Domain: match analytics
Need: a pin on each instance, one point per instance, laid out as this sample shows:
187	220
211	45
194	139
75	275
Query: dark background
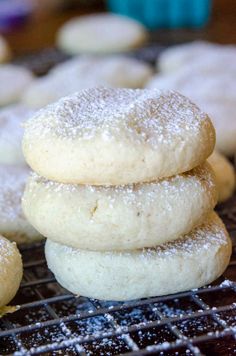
39	31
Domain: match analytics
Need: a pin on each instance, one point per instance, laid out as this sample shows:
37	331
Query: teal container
164	13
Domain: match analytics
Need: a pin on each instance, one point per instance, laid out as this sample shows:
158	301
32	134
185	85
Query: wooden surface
40	31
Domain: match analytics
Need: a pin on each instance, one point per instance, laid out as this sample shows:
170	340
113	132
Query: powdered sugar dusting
7	249
143	116
201	178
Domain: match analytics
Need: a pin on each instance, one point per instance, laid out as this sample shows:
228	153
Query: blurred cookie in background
14	80
101	33
213	89
222	112
176	57
225	175
85	72
11	273
117	136
11	132
13	223
203	77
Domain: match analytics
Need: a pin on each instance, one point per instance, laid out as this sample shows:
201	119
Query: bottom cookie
192	261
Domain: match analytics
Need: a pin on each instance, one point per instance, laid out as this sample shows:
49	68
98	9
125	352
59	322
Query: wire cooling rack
51	321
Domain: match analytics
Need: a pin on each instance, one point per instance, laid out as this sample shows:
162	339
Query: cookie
121	217
11	270
13	223
13	81
225	175
101	33
202	82
85	72
176	57
222	113
104	136
190	262
11	133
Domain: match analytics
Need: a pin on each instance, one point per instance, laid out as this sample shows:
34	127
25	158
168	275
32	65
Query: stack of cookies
122	192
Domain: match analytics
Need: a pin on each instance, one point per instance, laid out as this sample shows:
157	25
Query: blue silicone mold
164	13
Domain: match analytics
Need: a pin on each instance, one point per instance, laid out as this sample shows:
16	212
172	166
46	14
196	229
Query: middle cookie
120	217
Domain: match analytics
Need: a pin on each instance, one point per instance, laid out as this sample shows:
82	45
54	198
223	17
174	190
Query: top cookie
100	33
105	136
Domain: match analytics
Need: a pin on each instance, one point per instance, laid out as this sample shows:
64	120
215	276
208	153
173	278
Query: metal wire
185	321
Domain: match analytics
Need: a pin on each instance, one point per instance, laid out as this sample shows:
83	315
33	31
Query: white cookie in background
205	77
85	72
107	136
211	85
5	52
101	33
192	261
225	175
13	223
222	112
120	217
11	133
13	81
115	70
11	270
176	57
